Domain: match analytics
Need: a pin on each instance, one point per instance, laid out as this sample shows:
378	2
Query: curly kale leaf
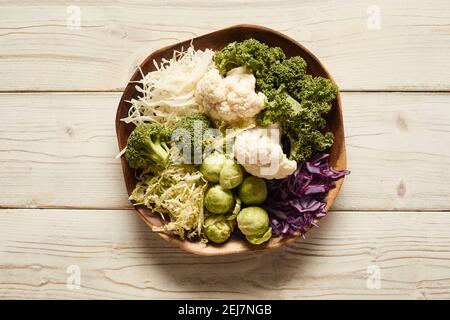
302	123
288	73
250	53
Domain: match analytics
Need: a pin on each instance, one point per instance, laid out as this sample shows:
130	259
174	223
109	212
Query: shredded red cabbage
296	201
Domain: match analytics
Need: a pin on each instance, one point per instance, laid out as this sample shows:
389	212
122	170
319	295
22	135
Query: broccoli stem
157	151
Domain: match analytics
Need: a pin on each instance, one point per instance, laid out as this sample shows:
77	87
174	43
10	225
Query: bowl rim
195	248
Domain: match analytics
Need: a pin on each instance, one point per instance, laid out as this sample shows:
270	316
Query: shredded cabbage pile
168	92
176	192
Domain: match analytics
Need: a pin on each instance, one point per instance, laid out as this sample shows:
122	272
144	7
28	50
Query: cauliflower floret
231	99
259	151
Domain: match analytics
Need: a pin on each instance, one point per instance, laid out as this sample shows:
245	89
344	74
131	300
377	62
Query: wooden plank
57	150
119	257
397	152
38	51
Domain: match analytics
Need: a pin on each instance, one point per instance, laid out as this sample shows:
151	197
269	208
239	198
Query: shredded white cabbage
168	92
176	192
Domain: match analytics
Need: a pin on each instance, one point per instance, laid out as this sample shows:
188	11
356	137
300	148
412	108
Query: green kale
295	100
256	56
316	89
289	72
304	128
303	123
147	146
191	135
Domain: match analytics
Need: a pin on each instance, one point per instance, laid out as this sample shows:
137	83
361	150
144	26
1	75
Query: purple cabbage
296	201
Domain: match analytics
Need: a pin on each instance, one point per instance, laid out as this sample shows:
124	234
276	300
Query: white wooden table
64	211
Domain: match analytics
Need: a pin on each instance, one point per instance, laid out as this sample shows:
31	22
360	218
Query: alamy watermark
73	281
373	21
374	279
73	20
192	146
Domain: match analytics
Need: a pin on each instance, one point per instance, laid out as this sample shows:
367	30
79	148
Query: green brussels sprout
217	228
260	239
253	221
254	224
231	174
252	191
211	166
219	200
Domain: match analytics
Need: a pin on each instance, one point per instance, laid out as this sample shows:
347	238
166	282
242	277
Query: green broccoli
148	146
192	133
295	100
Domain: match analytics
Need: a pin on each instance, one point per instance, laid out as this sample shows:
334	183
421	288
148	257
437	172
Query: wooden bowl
216	41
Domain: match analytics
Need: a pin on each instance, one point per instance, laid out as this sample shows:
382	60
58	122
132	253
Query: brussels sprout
253	221
219	200
211	166
252	191
260	239
231	174
217	228
254	224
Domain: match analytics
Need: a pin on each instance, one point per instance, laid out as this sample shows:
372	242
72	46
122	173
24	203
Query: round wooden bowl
216	41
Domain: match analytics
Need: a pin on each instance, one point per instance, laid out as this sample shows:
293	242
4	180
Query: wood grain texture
39	52
120	258
57	150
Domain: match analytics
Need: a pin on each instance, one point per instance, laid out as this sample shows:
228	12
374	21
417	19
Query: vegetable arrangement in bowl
232	142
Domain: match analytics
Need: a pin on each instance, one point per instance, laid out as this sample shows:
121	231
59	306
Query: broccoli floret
191	133
147	146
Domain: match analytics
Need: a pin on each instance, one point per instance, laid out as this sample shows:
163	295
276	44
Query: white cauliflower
229	100
259	151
